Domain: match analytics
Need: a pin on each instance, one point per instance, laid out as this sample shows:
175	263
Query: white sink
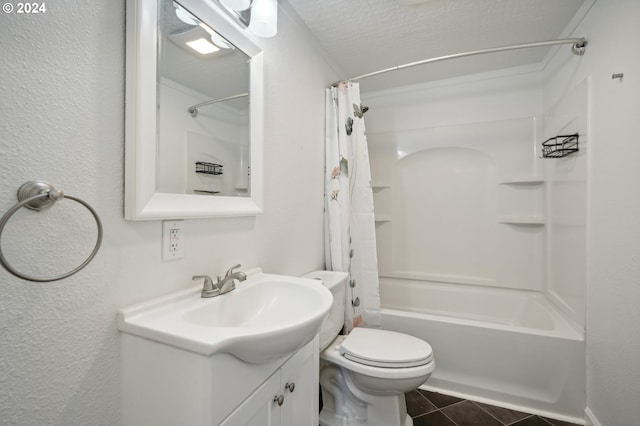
266	317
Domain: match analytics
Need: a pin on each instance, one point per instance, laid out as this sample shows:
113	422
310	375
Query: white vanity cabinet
288	398
167	386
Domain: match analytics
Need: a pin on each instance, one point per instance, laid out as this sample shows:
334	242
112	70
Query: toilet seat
386	349
392	371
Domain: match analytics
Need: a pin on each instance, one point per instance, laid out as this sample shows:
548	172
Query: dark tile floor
436	409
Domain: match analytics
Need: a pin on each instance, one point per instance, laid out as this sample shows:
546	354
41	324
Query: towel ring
38	195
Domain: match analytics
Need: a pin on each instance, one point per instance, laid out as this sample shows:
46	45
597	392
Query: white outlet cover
172	239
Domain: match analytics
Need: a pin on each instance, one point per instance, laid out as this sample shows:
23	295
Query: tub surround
481	242
462	195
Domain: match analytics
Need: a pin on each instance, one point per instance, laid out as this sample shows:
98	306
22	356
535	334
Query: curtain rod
193	110
578	48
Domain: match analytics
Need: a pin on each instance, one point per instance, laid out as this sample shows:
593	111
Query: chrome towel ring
39	195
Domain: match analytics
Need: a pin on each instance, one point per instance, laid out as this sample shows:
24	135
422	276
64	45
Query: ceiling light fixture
216	38
197	41
185	16
202	46
238	5
260	15
264	18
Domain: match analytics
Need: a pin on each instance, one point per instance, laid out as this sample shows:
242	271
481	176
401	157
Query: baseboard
591	418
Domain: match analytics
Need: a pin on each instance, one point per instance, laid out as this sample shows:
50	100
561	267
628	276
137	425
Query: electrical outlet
172	239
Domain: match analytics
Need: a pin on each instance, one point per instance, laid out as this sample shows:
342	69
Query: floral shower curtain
350	240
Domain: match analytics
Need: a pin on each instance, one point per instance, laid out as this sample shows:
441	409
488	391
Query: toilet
364	375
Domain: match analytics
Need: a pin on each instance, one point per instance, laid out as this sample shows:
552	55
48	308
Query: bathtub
505	347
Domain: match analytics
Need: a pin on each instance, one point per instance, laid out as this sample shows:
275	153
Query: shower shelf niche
522	220
377	186
383	218
522	180
522	198
382	201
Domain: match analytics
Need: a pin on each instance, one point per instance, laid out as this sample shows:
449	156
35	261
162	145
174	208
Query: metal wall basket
560	146
208	168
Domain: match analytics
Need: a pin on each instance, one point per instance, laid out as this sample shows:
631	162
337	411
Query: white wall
62	120
613	220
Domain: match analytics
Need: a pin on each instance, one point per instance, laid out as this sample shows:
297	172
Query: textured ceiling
363	36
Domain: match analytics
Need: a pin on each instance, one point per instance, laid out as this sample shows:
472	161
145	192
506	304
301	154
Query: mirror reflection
203	108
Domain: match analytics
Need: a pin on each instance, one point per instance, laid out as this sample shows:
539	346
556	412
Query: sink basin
267	317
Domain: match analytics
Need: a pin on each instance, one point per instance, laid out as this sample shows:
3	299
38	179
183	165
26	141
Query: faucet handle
208	282
230	270
208	290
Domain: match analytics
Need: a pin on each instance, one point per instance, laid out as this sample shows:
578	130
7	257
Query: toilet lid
383	348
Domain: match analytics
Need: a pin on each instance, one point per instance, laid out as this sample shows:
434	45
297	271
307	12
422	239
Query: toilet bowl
364	375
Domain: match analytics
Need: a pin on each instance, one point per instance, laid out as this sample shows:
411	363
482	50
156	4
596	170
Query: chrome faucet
228	283
222	285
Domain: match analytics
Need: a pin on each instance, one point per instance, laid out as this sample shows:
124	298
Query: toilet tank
336	282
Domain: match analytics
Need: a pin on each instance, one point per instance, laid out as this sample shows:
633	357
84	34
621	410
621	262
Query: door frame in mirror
141	201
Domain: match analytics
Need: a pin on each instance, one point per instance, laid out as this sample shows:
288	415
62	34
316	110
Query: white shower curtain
350	241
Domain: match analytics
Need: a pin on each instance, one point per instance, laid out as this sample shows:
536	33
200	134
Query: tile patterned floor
436	409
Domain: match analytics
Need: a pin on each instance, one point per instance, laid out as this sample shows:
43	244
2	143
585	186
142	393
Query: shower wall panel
567	205
456	183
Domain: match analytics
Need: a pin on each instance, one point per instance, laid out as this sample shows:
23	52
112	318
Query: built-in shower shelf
522	180
383	218
522	220
376	186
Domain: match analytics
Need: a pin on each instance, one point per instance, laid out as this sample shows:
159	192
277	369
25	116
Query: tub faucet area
222	285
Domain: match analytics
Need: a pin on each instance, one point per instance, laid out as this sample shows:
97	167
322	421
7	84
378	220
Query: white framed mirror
193	146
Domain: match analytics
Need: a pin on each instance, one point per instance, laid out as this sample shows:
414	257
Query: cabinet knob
279	399
290	386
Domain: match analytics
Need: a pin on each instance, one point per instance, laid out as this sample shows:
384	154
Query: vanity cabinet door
288	398
299	390
259	409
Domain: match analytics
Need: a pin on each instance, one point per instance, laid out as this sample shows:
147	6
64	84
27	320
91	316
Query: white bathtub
506	347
